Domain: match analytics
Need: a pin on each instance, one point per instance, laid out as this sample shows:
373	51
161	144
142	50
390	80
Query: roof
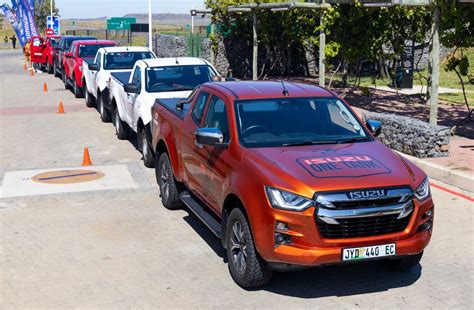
93	42
268	89
174	61
116	49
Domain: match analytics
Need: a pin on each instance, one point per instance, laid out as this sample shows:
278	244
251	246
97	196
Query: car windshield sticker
343	166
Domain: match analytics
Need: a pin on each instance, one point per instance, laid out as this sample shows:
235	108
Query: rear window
90	50
124	60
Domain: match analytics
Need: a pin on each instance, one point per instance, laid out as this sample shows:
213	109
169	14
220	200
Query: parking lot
116	246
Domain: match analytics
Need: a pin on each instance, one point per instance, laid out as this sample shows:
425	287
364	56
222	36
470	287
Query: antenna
177	62
285	91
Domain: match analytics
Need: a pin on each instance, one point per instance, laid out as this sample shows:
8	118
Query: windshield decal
343	166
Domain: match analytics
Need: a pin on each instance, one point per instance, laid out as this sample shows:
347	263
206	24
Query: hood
309	169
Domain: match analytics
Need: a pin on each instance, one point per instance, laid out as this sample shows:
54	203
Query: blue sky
99	8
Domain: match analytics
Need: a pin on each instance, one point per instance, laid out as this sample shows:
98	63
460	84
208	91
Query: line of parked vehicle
285	174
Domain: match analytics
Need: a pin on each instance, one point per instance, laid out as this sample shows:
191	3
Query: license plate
369	252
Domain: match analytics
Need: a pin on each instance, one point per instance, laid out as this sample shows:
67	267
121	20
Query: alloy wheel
164	181
238	248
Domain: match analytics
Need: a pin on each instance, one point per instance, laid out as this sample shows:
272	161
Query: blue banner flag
16	24
27	19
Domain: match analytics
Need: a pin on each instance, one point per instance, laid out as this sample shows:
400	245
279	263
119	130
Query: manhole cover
68	176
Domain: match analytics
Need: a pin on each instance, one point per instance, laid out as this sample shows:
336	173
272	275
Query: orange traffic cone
25	68
32	72
45	88
86	161
61	108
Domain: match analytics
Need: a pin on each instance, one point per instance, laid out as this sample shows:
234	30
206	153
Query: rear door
132	98
194	157
217	159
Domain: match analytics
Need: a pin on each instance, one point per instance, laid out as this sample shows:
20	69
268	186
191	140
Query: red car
42	52
288	176
79	52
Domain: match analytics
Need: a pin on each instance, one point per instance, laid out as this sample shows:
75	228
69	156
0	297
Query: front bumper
310	248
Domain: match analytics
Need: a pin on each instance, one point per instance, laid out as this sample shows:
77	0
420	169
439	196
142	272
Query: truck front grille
339	216
363	226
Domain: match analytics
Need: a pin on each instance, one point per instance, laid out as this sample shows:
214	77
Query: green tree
457	32
42	11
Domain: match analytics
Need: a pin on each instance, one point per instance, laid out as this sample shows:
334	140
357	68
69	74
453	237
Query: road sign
120	23
49	32
53	23
139	27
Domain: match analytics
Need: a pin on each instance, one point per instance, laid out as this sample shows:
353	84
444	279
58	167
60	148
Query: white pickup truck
97	74
132	95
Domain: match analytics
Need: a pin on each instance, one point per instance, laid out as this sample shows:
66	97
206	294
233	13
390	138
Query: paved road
122	249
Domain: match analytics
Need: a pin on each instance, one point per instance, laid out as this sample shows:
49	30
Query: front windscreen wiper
352	140
310	142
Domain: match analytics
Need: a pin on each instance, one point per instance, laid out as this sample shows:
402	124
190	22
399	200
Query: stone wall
177	46
412	136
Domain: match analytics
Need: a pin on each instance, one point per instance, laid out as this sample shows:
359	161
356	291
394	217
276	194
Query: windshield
124	60
68	41
54	42
296	121
89	50
176	78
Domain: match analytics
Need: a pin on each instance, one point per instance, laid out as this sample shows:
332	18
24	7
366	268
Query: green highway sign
120	23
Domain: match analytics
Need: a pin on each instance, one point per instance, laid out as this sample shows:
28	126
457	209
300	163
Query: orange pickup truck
288	176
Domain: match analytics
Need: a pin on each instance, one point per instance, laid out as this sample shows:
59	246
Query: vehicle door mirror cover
131	88
209	136
69	55
375	127
93	67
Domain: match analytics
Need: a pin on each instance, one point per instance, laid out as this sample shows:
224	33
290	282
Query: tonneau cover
122	77
170	105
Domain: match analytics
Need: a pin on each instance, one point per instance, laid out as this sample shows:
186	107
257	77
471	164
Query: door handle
198	145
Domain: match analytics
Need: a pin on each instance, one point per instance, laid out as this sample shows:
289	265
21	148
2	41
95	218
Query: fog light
281	226
426	226
282	239
428	214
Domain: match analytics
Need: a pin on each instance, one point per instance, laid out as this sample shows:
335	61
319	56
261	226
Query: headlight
280	199
423	191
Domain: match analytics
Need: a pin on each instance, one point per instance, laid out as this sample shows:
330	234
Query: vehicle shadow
335	280
341	280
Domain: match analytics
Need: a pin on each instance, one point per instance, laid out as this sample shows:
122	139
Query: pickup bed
133	94
97	75
289	177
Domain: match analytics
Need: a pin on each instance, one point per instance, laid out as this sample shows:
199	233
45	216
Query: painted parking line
55	181
453	192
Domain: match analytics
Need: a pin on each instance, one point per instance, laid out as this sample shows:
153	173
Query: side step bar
201	213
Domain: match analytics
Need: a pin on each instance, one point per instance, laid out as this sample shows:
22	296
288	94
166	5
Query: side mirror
93	67
131	88
181	104
69	55
375	127
209	136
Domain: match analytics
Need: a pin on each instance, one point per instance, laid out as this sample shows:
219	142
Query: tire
49	68
168	186
90	100
76	89
64	78
245	265
404	263
56	72
104	113
121	128
145	148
